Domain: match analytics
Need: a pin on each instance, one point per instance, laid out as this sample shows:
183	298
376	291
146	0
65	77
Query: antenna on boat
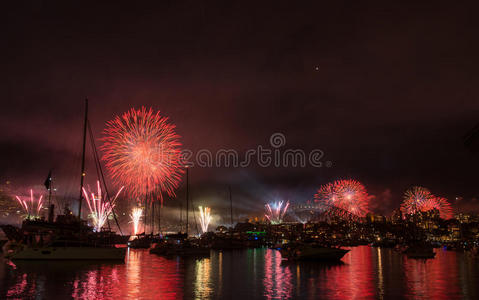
83	159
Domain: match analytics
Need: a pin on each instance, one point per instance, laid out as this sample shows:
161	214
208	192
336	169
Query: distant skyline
387	92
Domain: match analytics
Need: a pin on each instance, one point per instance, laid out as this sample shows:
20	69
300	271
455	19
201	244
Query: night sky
388	92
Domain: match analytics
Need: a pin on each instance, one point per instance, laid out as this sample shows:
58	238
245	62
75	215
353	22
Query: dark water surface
250	274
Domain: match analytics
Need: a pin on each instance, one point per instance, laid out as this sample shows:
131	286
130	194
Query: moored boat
420	251
178	245
309	251
61	240
63	252
140	242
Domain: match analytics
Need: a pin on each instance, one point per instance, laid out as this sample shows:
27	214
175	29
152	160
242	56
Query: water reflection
430	279
380	273
203	288
365	273
152	277
277	278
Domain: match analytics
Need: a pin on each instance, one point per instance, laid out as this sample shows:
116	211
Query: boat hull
180	251
320	254
418	252
68	253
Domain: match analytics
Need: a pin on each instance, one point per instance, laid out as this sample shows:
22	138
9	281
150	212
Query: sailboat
229	242
66	238
179	244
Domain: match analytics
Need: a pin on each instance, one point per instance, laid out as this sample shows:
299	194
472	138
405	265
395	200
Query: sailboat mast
145	222
50	183
160	206
181	217
50	205
187	199
231	207
83	158
153	215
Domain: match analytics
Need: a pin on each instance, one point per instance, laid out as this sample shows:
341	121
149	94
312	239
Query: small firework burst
349	195
135	217
205	218
415	199
275	211
31	206
99	210
142	152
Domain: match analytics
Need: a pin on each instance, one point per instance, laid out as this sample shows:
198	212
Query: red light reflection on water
131	280
352	279
277	279
365	273
433	278
162	279
19	287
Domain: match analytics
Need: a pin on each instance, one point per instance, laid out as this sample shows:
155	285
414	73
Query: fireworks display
31	206
99	209
205	218
421	199
142	152
135	217
349	195
441	204
275	212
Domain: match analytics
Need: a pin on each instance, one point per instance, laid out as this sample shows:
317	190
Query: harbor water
364	273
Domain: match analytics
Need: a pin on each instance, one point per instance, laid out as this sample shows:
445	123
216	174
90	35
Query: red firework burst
443	206
421	199
142	152
349	195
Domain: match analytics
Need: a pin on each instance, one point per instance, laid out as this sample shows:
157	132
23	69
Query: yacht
311	251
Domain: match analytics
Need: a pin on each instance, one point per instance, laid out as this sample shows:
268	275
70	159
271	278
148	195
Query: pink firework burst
99	209
31	206
348	194
275	211
142	152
